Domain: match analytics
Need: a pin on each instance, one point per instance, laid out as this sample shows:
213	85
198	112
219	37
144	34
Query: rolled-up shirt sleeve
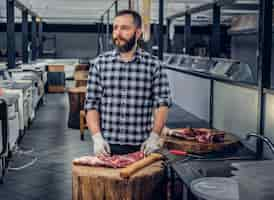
161	89
94	88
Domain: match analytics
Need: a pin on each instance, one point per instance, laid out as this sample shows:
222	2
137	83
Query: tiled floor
55	146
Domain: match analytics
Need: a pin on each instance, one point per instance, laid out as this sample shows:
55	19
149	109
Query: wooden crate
56	89
56	68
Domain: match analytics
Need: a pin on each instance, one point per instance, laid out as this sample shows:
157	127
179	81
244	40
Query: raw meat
88	160
209	136
116	161
185	133
201	135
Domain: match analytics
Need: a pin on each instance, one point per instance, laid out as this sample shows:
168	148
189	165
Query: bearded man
128	94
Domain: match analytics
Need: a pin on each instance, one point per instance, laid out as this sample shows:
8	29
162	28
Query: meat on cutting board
201	135
115	161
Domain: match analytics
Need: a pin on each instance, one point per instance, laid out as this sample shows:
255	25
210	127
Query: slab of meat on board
201	135
115	161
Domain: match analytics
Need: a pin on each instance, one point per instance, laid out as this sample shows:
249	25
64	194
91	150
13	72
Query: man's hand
152	144
100	146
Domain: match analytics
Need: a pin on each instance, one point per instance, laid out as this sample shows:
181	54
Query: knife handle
131	169
178	152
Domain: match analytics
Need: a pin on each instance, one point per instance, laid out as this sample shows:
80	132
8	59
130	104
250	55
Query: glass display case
215	67
203	64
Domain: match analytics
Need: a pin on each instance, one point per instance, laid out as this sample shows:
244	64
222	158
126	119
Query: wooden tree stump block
99	183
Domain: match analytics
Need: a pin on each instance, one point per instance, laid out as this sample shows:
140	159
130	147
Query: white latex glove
100	146
152	144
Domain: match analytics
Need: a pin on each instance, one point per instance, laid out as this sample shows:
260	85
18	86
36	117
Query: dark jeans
123	149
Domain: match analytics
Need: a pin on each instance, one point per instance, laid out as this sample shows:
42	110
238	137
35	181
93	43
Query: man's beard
128	46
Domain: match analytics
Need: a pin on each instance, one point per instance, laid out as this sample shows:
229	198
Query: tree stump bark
98	183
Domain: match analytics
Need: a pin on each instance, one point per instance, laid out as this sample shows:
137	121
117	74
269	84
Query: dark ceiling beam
22	7
204	7
114	3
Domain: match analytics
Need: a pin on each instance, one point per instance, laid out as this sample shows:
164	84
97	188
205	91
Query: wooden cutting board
172	142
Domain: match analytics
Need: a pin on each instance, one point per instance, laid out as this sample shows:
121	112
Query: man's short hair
136	16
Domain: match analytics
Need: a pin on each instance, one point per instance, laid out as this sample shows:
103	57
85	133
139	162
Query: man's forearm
93	121
160	117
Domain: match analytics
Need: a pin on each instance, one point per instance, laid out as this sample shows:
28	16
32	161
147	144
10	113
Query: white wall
190	93
69	45
269	122
235	108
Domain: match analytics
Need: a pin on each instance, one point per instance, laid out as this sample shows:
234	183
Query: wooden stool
80	83
83	124
81	67
81	78
76	103
98	183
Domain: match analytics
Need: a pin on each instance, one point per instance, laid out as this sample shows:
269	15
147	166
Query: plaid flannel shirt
125	93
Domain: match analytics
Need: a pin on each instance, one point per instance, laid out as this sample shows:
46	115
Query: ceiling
89	11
